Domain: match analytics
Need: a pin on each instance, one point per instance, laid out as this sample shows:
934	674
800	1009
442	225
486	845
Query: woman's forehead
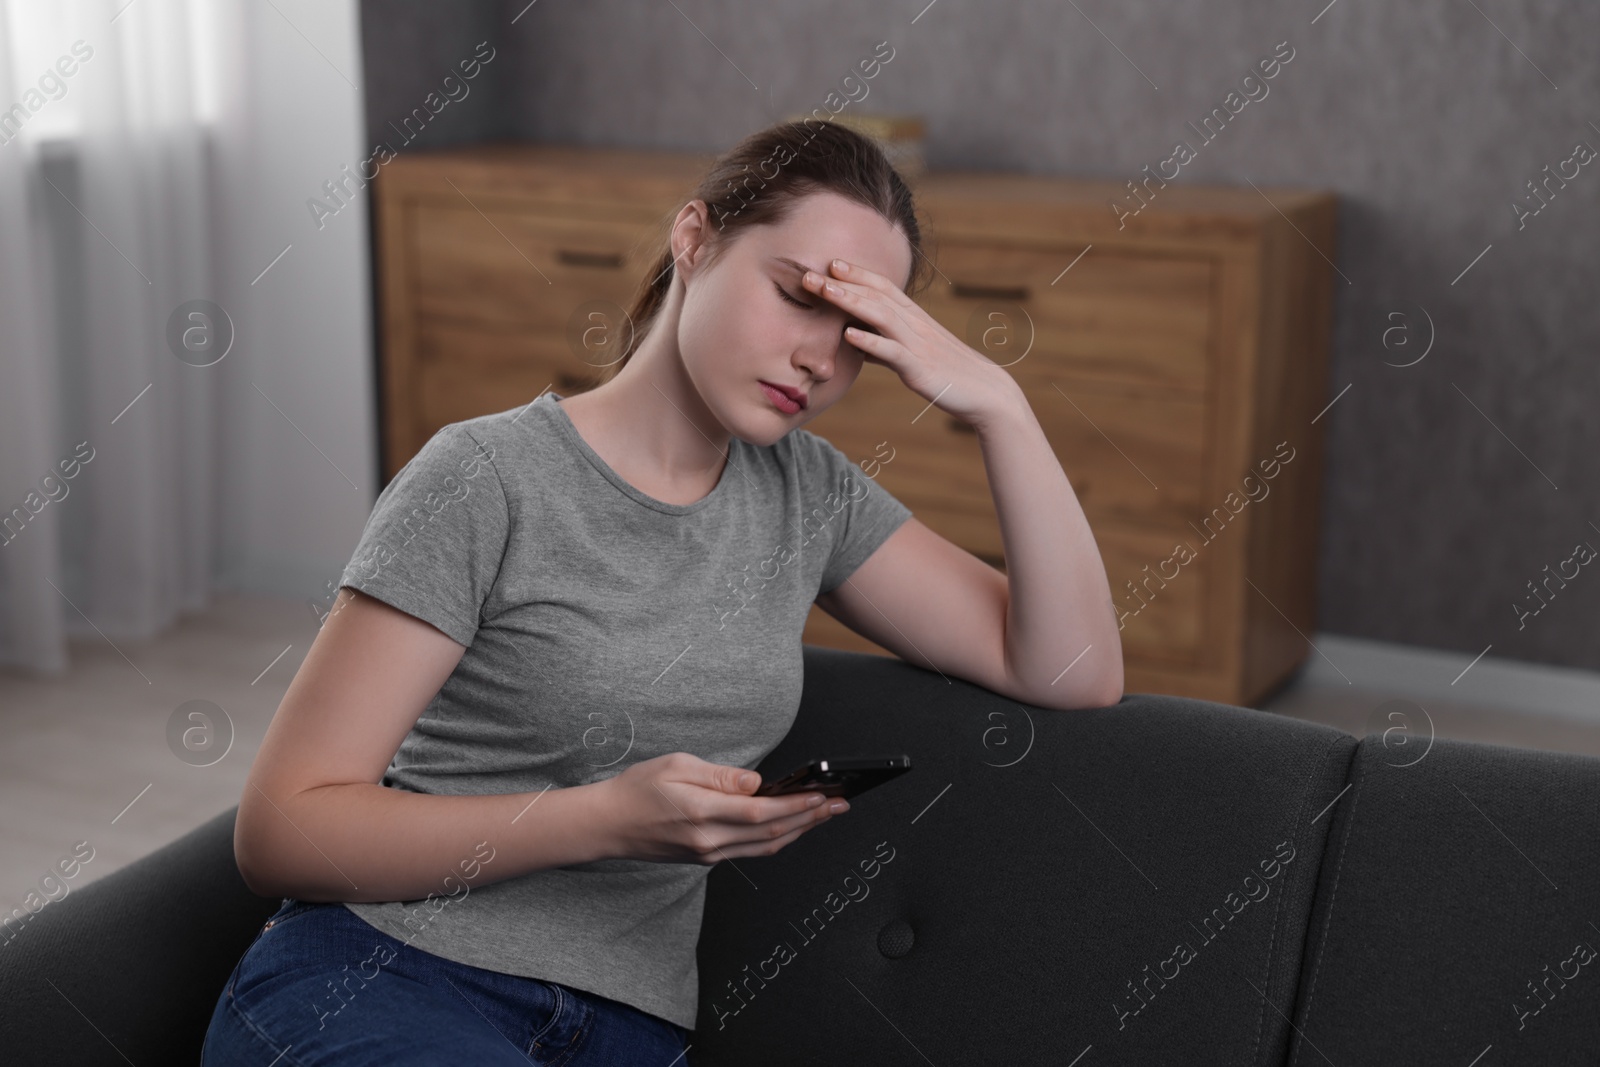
863	237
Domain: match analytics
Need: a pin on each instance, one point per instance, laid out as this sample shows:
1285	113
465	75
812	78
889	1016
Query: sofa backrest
1456	911
1135	879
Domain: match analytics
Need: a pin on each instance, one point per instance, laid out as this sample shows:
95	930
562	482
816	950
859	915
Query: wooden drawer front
1132	458
938	464
1167	628
1129	318
466	371
937	470
947	491
465	270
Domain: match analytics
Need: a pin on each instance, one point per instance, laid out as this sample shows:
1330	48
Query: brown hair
758	182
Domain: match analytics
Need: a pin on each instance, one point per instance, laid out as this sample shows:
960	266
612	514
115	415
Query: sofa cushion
1134	878
1456	911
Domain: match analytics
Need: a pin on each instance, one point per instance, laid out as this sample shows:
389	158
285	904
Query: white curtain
106	443
155	161
30	629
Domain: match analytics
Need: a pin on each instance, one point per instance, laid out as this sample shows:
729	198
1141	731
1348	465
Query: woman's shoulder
484	437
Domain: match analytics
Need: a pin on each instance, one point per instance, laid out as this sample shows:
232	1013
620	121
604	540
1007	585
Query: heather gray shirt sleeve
436	537
870	513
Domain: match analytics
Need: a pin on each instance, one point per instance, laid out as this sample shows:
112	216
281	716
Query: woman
524	734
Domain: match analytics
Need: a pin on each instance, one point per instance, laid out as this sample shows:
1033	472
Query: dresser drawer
534	273
466	371
1162	616
1120	317
1131	458
571	360
934	465
931	463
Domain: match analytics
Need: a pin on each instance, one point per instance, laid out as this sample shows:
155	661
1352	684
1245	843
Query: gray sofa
1166	881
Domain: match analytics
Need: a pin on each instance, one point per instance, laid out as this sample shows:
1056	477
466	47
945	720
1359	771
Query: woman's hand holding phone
679	808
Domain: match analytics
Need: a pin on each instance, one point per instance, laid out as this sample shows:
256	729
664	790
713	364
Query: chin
762	429
758	423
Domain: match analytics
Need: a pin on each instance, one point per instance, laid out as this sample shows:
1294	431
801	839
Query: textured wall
410	47
1451	484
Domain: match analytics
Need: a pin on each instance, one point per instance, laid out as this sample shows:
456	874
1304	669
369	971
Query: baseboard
1423	674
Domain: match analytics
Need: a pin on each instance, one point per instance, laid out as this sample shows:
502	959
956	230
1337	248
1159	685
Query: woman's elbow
251	854
244	860
1106	693
1112	693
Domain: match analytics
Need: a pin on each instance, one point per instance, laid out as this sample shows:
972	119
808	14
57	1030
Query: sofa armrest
129	967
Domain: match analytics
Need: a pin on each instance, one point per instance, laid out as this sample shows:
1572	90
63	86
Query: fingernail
840	265
816	799
837	806
811	278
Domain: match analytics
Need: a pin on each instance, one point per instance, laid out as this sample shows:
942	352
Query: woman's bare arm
314	823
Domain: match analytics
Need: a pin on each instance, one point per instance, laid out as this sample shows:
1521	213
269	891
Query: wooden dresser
1177	362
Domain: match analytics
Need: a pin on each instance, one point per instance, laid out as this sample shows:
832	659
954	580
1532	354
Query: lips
796	395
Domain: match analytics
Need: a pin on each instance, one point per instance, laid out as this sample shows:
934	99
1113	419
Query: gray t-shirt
603	627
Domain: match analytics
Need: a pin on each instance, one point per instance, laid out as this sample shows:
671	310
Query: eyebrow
799	266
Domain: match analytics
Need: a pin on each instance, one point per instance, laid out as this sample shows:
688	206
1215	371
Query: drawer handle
1016	293
600	260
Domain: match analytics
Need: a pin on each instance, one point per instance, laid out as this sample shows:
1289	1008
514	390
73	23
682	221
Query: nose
818	355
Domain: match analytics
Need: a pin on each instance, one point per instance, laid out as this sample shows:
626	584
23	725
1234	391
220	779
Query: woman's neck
654	431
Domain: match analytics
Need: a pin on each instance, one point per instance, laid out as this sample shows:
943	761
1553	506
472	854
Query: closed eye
789	298
857	323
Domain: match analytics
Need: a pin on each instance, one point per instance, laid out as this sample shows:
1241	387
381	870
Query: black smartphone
837	777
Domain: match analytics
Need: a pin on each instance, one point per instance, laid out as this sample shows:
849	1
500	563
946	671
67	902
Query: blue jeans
321	985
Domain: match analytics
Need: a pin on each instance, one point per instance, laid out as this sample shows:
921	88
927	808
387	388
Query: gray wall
409	47
1450	484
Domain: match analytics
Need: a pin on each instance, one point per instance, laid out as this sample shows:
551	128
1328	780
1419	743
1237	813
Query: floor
87	757
111	755
1359	712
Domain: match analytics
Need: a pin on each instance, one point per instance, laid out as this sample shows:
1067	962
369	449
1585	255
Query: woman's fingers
864	303
767	846
740	833
855	272
758	839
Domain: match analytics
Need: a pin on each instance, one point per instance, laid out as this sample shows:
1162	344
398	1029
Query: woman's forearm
368	842
1060	602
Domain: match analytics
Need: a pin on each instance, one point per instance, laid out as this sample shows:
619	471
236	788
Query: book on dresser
1176	357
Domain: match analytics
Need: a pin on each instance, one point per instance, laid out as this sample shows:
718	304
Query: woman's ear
691	236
